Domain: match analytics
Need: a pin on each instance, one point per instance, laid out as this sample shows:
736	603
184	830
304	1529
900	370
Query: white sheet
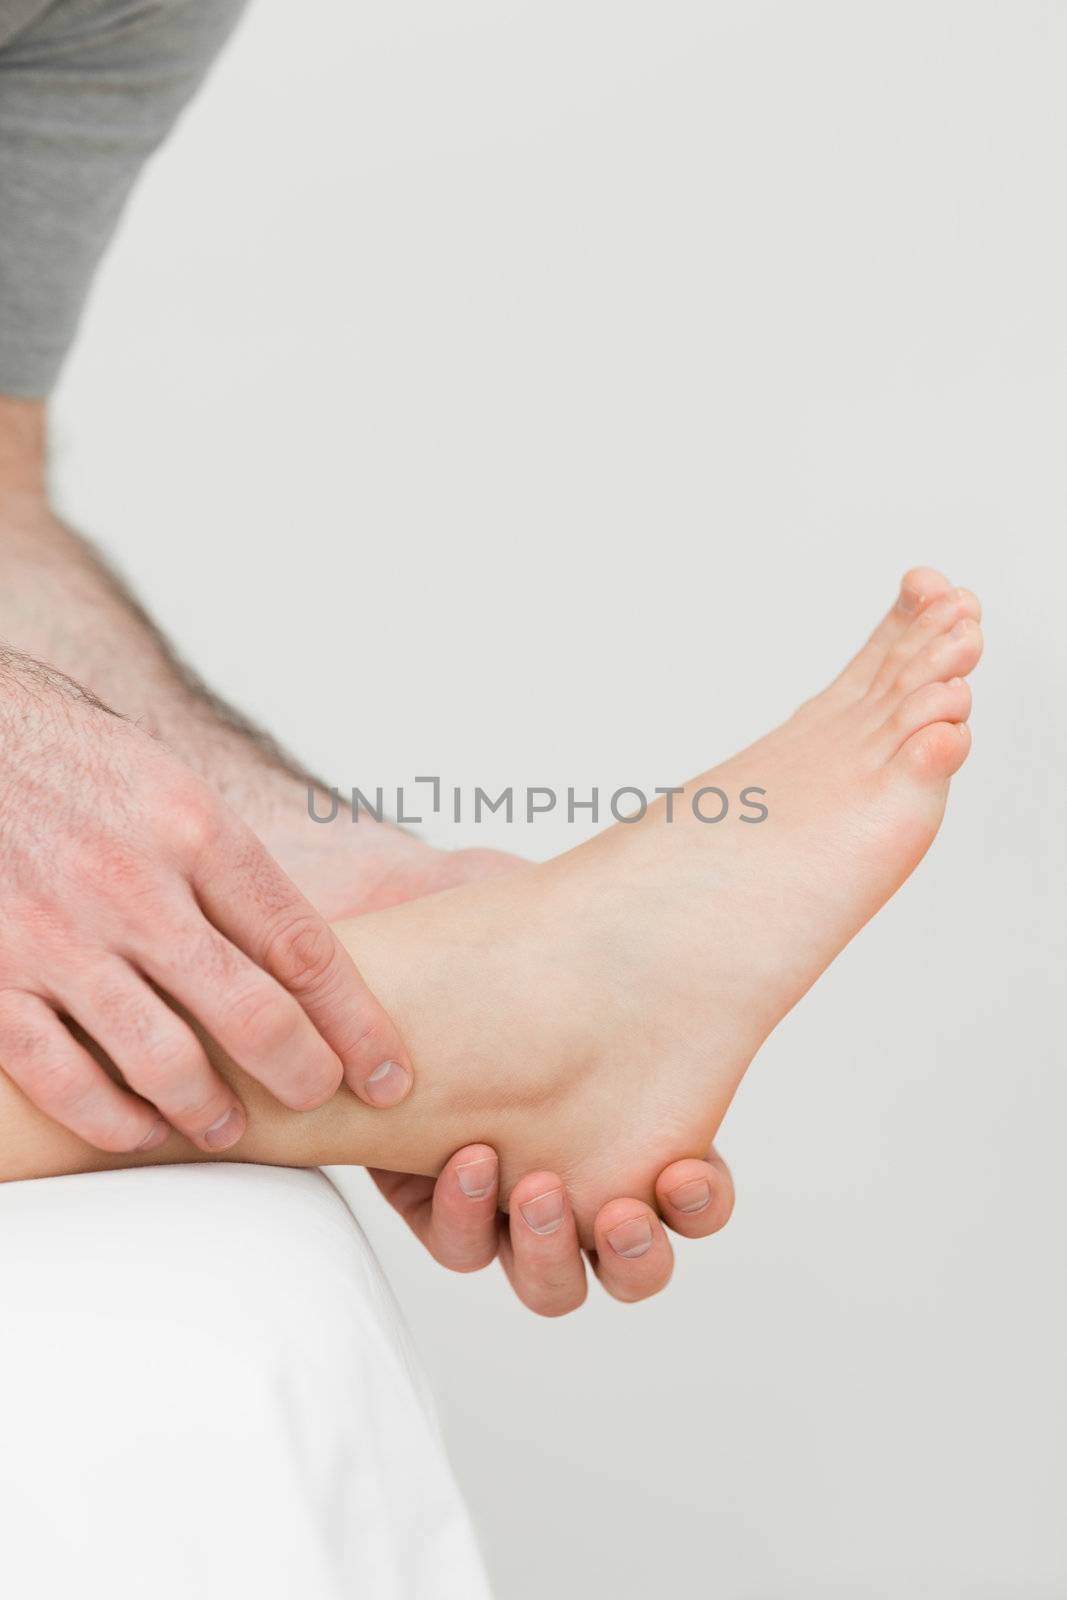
206	1389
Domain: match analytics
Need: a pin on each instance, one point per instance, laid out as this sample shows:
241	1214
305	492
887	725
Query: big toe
935	753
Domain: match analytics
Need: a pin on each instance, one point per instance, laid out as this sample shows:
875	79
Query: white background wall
545	393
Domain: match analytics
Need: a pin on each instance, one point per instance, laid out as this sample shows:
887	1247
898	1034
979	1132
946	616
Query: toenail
544	1213
909	602
226	1131
477	1178
388	1083
692	1196
631	1238
962	628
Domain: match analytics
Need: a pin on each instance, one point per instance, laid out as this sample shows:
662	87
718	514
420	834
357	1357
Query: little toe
633	1257
934	702
696	1198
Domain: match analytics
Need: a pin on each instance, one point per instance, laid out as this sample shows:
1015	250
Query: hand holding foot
457	1218
591	1017
598	1012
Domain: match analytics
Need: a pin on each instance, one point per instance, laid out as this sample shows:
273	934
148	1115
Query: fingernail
388	1084
692	1196
156	1137
631	1238
544	1213
477	1178
226	1131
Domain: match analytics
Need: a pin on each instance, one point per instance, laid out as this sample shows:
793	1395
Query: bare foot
594	1015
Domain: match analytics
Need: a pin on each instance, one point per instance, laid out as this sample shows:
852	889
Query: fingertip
476	1172
695	1197
543	1258
386	1085
157	1135
540	1199
225	1131
634	1258
463	1233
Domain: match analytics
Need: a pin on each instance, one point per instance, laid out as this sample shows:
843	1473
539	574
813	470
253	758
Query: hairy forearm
61	603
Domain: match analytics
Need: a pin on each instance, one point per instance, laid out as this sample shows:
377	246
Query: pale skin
59	605
592	1017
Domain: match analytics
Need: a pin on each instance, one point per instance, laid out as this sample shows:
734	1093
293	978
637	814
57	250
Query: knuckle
57	1083
202	951
193	821
369	1038
112	1009
173	1065
302	953
262	1019
113	870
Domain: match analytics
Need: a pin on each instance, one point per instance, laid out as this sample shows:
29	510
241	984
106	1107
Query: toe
633	1254
936	752
696	1198
950	655
937	618
934	702
918	589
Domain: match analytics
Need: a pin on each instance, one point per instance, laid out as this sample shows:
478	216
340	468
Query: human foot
595	1015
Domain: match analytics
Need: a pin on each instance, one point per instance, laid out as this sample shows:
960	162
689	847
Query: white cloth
206	1390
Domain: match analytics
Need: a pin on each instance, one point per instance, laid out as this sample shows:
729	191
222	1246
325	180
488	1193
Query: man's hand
458	1220
127	883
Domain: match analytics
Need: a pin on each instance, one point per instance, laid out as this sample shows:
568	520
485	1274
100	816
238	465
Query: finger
540	1251
250	899
158	1054
251	1016
409	1194
633	1258
696	1198
463	1224
456	1217
61	1078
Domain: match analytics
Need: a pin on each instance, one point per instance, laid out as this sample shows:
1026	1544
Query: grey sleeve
88	89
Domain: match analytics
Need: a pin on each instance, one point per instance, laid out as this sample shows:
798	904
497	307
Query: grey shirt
88	89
